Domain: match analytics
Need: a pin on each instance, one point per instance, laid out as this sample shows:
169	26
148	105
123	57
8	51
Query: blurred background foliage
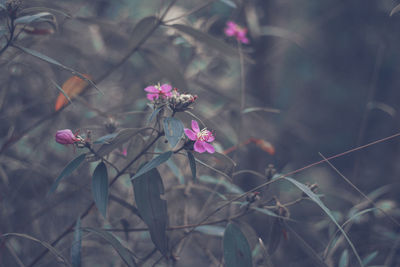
329	67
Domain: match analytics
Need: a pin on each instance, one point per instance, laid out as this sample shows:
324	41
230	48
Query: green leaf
54	62
100	188
148	189
143	28
192	164
32	18
229	3
121	137
370	257
395	10
173	129
154	163
67	171
237	251
231	188
168	68
154	114
209	40
211	230
123	252
344	259
266	212
35	9
105	138
52	249
275	235
176	171
77	245
316	199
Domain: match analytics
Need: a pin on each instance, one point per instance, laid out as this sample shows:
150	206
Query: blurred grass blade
53	10
123	252
100	188
211	230
192	164
67	171
254	109
266	212
229	3
275	236
282	33
209	40
316	199
77	245
173	129
231	188
154	163
344	259
105	138
54	251
395	10
148	189
168	68
370	258
237	251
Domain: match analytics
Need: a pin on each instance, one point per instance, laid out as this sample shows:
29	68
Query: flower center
203	135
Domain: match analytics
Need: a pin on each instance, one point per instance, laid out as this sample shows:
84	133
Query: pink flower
232	29
202	138
66	137
156	91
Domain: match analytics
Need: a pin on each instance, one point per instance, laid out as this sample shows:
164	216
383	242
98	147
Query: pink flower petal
151	97
229	32
199	146
231	24
166	88
168	94
190	134
210	137
195	126
209	148
151	89
244	40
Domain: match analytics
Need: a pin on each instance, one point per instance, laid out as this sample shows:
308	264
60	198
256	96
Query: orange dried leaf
71	87
266	146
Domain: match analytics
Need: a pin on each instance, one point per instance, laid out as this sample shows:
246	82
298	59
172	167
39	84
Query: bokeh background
328	71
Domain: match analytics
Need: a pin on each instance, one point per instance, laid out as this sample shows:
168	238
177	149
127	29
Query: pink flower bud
66	137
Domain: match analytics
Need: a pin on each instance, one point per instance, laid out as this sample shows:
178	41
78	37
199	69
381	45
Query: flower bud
66	137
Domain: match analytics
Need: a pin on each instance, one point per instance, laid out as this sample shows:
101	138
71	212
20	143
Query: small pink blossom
157	91
202	138
66	137
232	29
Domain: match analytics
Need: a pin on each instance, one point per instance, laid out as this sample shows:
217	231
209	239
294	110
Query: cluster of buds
181	102
161	94
12	7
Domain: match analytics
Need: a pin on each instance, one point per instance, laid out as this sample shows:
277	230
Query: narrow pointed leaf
229	3
209	40
370	257
143	28
192	164
148	189
119	248
154	163
395	10
237	251
67	171
211	230
105	138
32	18
77	245
316	199
100	188
173	129
154	114
344	259
52	249
275	236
